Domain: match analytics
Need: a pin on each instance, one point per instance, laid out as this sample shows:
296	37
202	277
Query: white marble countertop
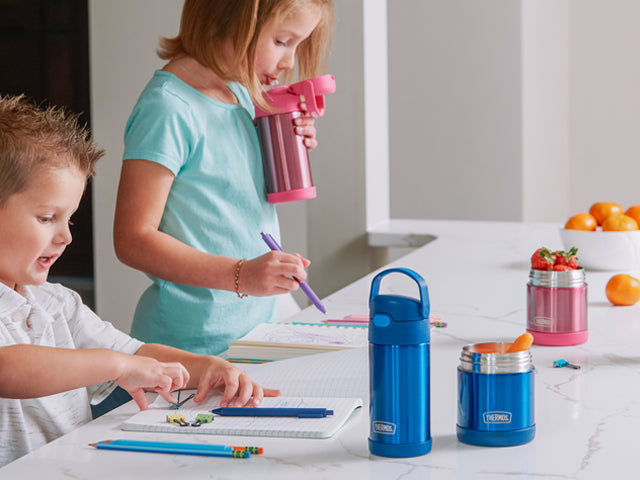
477	274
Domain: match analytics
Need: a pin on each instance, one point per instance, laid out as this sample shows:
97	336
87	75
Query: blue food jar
495	396
399	406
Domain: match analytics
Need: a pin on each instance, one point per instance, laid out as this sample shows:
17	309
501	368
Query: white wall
513	110
546	154
604	102
455	109
123	37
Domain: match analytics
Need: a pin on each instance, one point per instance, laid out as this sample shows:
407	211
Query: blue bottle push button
381	320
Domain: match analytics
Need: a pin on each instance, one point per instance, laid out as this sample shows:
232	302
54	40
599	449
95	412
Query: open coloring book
277	341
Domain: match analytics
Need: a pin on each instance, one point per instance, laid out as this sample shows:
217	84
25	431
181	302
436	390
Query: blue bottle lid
396	319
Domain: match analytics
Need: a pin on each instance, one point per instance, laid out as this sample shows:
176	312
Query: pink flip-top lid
286	99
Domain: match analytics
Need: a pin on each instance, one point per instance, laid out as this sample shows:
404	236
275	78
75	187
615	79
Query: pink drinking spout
287	99
285	158
314	91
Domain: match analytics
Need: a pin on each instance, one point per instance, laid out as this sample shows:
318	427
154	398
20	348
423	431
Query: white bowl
611	251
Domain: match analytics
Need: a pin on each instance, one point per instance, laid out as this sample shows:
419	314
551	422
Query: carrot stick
523	342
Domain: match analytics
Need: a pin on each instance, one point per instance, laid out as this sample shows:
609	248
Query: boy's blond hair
206	24
33	138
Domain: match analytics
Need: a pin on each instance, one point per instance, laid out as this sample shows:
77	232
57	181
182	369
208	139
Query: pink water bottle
285	158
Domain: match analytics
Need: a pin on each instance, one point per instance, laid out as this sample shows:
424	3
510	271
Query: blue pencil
172	447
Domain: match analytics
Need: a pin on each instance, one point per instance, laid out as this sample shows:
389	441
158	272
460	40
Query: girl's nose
287	62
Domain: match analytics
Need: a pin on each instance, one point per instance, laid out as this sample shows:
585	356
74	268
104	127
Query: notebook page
343	373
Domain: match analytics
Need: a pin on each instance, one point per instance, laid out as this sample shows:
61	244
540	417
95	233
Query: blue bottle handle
422	285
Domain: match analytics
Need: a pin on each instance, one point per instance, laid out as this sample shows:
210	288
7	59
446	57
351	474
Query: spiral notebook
277	341
154	418
313	381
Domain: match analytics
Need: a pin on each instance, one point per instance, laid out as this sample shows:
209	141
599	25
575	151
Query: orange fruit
623	289
581	221
602	210
619	222
634	212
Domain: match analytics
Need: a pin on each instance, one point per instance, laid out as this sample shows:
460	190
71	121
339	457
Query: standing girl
191	200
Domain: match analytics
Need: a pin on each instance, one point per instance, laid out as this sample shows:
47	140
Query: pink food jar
557	307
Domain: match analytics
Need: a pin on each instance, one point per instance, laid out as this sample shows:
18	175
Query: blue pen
272	412
273	245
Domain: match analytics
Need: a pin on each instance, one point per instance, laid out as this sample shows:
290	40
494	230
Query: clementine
602	210
634	212
581	221
620	222
623	289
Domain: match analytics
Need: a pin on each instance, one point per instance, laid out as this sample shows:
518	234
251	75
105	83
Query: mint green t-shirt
217	204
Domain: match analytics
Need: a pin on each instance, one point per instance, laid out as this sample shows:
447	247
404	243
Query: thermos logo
385	428
497	417
543	321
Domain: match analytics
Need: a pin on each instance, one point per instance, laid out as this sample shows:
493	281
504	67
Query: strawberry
543	259
567	258
561	268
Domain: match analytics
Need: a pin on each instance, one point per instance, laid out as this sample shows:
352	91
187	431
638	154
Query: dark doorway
44	54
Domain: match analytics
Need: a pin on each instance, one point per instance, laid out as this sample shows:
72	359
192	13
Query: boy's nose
64	235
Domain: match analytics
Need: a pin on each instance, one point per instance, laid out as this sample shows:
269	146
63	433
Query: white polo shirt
54	316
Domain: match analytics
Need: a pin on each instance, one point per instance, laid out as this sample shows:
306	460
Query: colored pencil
172	447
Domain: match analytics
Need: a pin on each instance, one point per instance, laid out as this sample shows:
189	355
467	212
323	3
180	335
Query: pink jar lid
563	339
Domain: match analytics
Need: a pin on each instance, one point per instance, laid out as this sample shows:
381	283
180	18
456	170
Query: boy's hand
235	383
140	373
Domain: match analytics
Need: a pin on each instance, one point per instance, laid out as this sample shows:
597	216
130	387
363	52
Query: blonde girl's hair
206	24
34	138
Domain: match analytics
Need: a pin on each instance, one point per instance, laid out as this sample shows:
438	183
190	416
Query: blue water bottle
399	371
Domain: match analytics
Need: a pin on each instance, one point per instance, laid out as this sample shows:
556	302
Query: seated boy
51	345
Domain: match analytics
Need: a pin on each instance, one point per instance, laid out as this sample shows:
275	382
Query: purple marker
273	245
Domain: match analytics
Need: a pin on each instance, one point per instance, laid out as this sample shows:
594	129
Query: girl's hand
304	126
235	383
139	373
272	274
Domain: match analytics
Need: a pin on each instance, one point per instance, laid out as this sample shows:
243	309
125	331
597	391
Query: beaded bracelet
237	278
